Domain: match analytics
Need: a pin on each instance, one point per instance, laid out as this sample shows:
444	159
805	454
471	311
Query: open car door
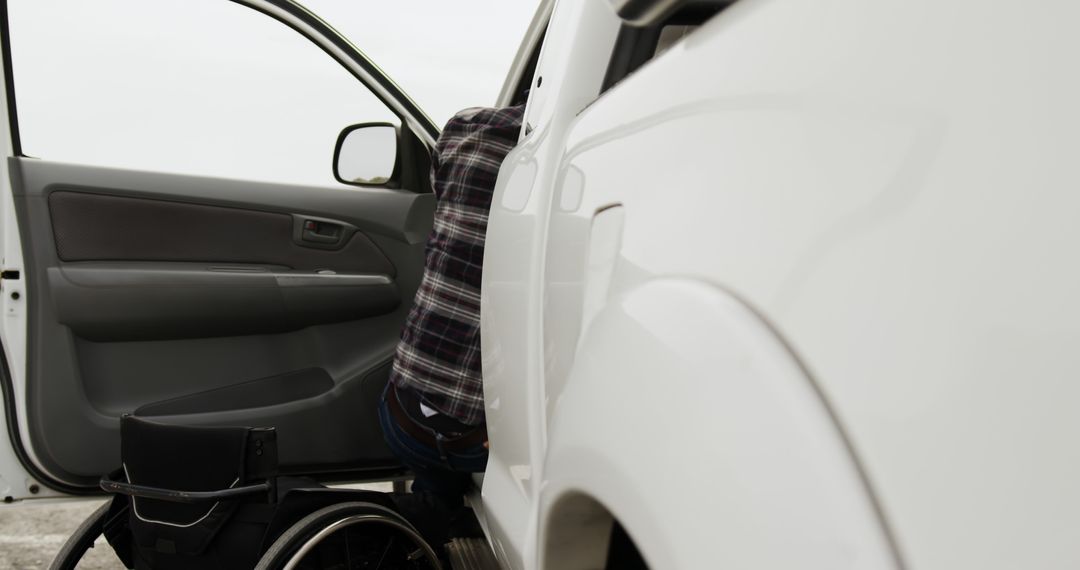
168	290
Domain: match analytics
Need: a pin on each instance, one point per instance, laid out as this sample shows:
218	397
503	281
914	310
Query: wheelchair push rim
313	532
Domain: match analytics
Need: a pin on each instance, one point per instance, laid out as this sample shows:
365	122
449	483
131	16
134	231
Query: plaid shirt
438	356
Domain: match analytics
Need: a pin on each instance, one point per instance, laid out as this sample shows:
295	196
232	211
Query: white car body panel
694	353
15	481
884	182
572	67
797	293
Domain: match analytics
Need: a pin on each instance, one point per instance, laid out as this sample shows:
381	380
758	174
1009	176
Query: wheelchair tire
351	531
81	540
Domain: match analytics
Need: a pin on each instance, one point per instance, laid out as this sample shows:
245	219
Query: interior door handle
322	233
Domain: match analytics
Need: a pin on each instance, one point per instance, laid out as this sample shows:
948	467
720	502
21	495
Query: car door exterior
620	393
168	289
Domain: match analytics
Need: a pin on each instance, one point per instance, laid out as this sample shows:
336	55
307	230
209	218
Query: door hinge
9	274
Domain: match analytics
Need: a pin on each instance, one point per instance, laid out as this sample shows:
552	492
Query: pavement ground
32	533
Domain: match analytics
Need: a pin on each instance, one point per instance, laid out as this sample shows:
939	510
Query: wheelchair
190	498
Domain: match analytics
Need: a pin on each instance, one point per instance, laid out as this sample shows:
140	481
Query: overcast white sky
448	54
209	87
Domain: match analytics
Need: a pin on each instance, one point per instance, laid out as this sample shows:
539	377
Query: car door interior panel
148	301
100	227
212	302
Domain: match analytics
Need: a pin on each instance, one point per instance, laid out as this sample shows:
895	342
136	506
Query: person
432	410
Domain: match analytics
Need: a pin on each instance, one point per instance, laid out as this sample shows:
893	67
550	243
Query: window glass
446	54
204	87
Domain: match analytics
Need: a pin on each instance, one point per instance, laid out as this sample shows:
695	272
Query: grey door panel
400	214
88	227
109	301
259	393
120	377
336	430
152	314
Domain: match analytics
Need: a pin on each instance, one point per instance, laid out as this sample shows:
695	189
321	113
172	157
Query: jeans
445	476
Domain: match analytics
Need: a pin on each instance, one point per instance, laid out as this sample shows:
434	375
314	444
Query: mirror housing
366	154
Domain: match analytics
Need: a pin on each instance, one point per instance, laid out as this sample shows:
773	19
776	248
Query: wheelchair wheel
81	540
350	535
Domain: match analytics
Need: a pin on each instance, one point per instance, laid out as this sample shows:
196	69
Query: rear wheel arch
681	400
582	533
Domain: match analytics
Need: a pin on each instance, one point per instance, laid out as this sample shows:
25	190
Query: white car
778	284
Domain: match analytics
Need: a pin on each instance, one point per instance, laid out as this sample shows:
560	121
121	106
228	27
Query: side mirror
366	154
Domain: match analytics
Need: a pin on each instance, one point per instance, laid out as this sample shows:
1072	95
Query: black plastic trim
9	80
633	47
645	12
303	237
110	485
415	158
636	43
